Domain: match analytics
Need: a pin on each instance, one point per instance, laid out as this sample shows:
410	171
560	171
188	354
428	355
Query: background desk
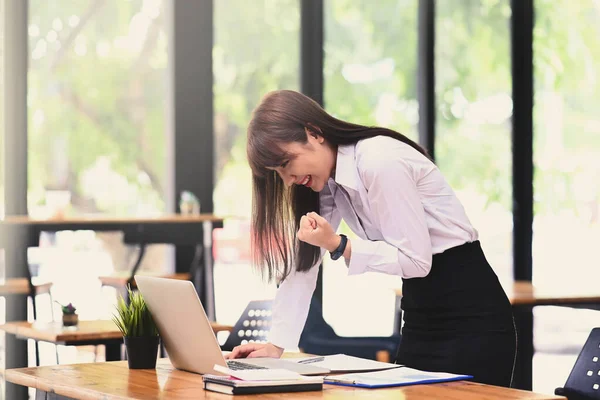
95	332
113	380
17	233
524	296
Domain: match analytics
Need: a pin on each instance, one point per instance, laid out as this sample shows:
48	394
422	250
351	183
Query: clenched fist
315	230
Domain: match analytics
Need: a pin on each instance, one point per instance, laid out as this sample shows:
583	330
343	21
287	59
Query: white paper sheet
260	374
344	363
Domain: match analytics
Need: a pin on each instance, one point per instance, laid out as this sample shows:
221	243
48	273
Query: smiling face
310	164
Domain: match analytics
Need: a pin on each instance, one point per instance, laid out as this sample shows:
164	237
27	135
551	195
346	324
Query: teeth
305	180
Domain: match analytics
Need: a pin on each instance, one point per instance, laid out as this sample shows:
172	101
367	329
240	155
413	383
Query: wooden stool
120	281
22	286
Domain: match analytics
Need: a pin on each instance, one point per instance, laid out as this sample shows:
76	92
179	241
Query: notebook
274	374
401	376
249	382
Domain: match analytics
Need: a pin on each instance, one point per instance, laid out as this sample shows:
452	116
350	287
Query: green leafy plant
69	309
134	319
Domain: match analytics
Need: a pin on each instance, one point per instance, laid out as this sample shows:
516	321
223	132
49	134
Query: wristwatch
337	253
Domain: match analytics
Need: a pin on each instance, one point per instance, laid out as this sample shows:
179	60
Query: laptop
188	336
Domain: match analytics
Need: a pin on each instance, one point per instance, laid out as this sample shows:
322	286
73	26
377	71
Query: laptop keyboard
238	365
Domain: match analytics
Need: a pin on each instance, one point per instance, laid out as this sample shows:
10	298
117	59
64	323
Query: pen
311	360
337	380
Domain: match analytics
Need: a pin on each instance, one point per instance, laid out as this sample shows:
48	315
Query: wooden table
523	296
93	332
113	380
523	293
101	221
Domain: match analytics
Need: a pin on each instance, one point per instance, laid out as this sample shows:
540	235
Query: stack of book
231	385
259	381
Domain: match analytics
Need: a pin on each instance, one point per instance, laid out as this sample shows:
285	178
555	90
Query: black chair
318	337
253	325
584	380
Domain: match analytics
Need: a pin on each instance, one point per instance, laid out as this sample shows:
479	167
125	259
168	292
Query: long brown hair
282	117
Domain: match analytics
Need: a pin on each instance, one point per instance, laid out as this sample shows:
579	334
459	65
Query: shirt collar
345	167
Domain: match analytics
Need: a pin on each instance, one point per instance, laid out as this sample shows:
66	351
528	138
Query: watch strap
337	253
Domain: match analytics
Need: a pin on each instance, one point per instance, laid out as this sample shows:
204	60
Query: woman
310	170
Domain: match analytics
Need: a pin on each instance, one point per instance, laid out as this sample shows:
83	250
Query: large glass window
370	78
97	92
256	50
566	224
473	119
566	142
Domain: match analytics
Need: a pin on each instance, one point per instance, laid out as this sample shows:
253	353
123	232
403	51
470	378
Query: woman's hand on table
254	350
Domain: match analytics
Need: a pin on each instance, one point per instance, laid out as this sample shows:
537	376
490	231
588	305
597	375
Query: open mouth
307	181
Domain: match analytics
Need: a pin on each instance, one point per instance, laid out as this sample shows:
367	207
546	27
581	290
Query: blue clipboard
346	380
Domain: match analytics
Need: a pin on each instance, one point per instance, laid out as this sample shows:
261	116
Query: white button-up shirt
402	210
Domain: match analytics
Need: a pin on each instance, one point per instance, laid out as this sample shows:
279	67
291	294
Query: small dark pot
70	319
141	351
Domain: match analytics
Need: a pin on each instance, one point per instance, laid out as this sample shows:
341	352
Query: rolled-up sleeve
292	301
393	198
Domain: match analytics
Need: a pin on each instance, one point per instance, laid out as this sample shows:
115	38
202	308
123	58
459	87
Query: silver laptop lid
182	322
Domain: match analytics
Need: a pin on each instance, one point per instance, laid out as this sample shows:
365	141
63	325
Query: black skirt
458	319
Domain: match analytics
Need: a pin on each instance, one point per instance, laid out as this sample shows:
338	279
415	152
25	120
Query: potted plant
69	315
140	333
